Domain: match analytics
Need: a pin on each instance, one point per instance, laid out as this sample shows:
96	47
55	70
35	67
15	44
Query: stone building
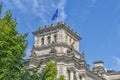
57	42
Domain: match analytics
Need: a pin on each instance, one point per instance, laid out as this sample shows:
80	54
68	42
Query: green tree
12	51
12	48
48	73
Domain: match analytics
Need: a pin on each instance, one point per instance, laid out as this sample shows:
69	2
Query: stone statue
83	54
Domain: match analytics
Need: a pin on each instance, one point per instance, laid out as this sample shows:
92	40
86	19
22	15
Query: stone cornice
98	62
99	68
57	58
92	74
48	33
52	27
114	73
54	45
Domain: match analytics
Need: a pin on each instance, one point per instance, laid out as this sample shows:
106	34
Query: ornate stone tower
59	43
98	68
58	37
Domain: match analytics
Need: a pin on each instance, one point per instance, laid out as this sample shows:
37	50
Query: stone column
77	46
62	70
77	75
35	40
45	40
65	72
83	77
52	38
61	36
71	75
59	70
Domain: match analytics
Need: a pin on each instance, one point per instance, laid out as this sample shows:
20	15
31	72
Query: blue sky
96	21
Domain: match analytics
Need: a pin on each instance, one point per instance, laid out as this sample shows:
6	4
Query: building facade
59	43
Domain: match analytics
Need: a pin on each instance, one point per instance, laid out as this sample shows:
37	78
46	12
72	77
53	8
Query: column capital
70	68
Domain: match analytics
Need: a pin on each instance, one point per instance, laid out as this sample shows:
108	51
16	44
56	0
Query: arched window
55	38
42	41
48	38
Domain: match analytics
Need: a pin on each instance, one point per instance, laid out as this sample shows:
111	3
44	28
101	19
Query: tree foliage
12	48
49	72
12	51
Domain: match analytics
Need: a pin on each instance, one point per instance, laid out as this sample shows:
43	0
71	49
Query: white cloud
61	7
117	60
39	10
18	4
42	9
86	11
45	9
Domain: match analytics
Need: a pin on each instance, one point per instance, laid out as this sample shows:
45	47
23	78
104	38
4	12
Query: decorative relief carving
52	51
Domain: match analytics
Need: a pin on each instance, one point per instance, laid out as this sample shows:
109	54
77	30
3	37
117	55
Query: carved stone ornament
52	50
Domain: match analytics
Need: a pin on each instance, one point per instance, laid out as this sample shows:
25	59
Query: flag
55	15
